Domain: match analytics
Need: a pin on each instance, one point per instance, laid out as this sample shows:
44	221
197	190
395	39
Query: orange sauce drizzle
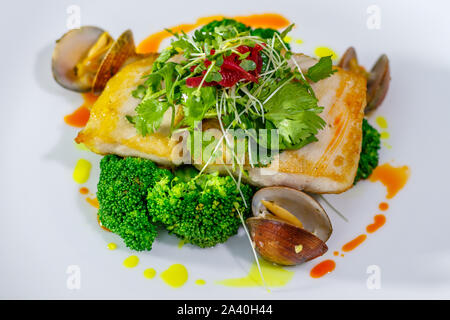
84	190
93	202
322	269
379	221
383	206
393	178
80	116
336	253
349	246
265	20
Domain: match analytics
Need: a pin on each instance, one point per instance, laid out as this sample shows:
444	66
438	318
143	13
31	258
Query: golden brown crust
108	131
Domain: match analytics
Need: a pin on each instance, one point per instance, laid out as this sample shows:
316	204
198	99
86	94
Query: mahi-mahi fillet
326	166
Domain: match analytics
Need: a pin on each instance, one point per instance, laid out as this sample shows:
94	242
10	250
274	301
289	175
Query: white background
46	225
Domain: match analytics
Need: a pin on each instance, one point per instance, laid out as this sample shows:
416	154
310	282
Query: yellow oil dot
82	171
382	122
112	246
200	282
149	273
131	262
324	52
384	135
387	146
175	276
287	39
274	276
298	41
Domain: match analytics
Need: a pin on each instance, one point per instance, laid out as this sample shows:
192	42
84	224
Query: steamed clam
85	59
378	78
289	227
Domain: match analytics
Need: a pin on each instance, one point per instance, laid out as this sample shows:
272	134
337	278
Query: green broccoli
122	190
369	152
200	211
210	27
265	33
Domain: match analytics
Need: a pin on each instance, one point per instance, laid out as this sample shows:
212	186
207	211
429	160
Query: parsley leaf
150	111
197	103
294	112
149	116
321	70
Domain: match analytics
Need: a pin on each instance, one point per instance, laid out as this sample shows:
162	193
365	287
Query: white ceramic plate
46	225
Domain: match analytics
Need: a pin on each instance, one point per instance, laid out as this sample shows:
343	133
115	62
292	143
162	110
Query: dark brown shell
378	79
347	57
378	83
122	50
276	241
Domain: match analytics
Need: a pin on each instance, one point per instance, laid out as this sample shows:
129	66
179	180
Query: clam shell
378	83
378	79
303	206
347	57
68	51
283	243
121	50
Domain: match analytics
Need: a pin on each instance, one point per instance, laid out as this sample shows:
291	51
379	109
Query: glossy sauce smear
393	178
80	116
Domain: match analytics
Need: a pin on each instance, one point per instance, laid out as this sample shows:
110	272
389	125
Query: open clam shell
378	83
303	206
121	50
283	243
378	79
280	241
69	50
348	58
85	59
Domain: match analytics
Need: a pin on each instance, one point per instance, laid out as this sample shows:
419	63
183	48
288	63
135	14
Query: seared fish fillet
326	166
108	131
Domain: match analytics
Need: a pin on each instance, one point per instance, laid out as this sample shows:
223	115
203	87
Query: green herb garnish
241	77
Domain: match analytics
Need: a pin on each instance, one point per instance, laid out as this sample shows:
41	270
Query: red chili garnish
231	70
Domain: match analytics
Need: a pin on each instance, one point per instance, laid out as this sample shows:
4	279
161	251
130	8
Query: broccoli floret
368	160
135	195
210	27
122	191
200	211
